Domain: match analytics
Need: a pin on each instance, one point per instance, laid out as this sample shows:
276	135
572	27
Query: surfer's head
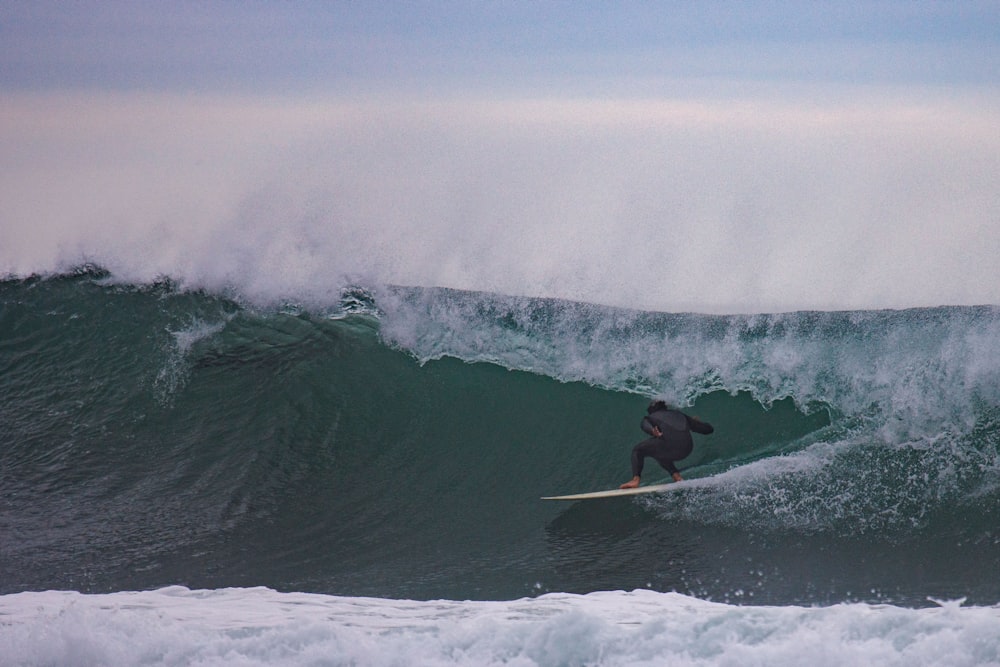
657	405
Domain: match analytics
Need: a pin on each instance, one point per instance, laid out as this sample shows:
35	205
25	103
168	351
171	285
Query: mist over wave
744	204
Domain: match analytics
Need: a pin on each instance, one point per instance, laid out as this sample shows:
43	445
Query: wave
395	442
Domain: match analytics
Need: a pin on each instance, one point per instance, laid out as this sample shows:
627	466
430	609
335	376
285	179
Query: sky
281	47
710	156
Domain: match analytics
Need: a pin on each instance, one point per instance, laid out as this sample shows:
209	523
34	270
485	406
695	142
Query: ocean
188	476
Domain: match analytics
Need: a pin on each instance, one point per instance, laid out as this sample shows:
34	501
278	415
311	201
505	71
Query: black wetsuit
673	444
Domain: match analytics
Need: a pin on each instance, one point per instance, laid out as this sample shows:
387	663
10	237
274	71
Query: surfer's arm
698	426
649	427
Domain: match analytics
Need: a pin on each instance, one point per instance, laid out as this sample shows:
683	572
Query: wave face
395	444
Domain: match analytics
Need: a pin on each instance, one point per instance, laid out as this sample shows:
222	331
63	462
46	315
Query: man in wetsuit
671	441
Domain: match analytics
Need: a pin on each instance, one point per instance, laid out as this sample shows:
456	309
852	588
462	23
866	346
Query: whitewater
282	381
177	626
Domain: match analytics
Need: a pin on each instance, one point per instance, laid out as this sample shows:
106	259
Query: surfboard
615	493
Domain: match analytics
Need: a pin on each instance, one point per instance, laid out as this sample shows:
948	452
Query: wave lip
909	369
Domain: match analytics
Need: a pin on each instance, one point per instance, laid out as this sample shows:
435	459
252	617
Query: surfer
671	441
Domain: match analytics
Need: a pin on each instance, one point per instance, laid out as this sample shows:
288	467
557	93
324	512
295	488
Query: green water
154	437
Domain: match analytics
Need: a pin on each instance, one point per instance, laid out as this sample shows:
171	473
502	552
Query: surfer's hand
657	432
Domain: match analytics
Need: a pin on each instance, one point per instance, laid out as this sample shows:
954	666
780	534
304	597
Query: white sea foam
915	373
257	626
174	373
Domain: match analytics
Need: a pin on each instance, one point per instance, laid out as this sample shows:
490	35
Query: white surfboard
614	493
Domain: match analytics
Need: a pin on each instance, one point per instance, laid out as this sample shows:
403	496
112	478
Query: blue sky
588	46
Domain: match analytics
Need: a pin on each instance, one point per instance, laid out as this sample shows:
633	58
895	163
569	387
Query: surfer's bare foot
631	484
677	477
